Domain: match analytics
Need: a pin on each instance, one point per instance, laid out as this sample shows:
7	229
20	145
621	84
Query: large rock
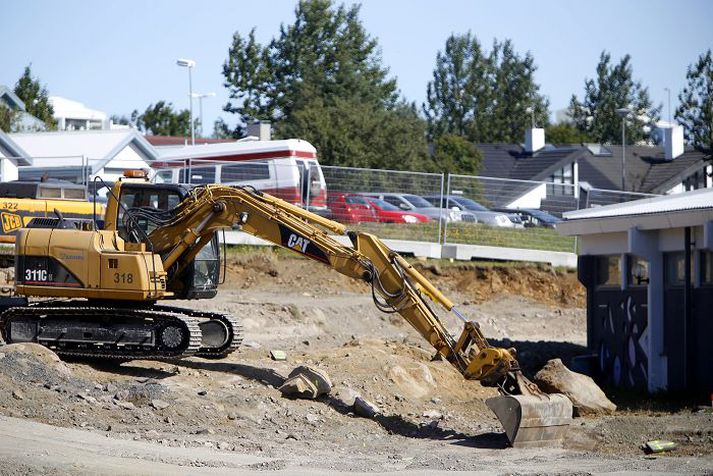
586	396
306	382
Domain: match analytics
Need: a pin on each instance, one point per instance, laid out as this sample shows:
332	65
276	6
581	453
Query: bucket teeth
533	421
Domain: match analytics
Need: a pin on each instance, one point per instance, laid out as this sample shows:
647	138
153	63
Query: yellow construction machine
158	242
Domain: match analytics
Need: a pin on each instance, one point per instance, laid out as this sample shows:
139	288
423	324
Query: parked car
413	203
512	215
482	214
534	217
388	213
350	208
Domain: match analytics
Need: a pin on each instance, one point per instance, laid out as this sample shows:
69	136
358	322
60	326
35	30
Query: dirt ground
200	416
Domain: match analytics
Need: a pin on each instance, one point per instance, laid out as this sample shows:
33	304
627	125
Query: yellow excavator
159	241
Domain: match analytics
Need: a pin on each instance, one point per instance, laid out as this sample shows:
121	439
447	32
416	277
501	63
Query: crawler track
82	329
231	323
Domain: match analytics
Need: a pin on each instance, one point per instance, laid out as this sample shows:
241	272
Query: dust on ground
200	415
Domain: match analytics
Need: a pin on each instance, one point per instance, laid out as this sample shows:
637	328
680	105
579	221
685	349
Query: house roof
669	211
599	165
71	148
511	161
71	109
647	170
12	151
9	97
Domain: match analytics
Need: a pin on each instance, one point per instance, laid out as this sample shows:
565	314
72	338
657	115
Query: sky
117	56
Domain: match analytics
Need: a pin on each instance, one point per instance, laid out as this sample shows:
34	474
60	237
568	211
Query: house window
562	181
695	181
609	270
675	268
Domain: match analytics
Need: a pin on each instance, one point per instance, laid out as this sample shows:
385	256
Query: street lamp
200	97
623	113
190	64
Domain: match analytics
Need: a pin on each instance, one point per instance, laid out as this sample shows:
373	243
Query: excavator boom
144	262
530	416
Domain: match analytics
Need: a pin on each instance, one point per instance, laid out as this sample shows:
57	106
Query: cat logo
10	222
298	243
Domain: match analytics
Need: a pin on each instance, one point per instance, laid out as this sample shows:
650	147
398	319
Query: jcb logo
10	222
298	243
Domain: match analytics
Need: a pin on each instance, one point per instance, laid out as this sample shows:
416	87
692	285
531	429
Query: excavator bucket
533	420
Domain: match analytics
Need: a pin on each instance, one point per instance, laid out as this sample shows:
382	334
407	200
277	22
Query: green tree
455	154
695	112
125	120
222	130
357	134
565	133
322	80
161	120
489	97
614	88
8	118
35	97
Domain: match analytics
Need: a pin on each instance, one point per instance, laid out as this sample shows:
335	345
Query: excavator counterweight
111	279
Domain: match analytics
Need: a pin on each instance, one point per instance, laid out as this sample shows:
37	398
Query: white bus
287	169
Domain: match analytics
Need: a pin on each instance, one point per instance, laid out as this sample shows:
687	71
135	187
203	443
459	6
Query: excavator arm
533	417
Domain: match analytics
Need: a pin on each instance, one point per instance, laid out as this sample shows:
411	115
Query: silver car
414	203
467	205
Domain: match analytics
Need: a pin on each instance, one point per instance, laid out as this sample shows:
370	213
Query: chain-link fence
426	207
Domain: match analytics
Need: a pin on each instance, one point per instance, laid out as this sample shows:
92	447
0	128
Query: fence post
440	214
445	207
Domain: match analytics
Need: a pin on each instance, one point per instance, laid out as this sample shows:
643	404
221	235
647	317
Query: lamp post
190	64
623	113
200	97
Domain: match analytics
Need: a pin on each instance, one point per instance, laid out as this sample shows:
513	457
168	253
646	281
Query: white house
79	156
11	156
75	116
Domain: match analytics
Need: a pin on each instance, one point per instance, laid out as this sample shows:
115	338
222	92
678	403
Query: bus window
245	171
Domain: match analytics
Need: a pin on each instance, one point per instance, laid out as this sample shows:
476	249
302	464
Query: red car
388	213
350	208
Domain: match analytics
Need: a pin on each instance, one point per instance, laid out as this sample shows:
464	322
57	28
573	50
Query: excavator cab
200	278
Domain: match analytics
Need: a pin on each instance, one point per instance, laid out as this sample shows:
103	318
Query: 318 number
124	278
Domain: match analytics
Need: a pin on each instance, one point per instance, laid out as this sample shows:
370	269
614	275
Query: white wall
532	199
130	157
604	244
8	170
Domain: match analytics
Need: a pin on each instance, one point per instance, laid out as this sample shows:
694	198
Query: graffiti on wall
621	337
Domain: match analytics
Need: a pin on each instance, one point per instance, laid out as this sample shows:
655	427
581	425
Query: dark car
350	208
534	217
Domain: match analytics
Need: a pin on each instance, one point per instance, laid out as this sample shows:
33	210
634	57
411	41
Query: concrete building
648	269
79	156
75	116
